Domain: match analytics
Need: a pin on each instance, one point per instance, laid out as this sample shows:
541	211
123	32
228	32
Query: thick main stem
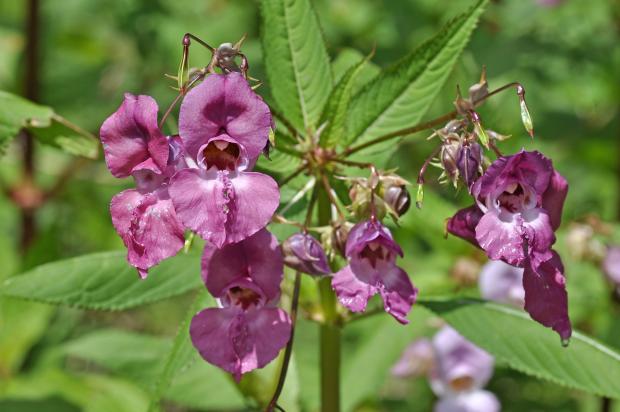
329	329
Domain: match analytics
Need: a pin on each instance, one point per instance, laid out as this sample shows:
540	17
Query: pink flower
225	127
248	331
611	264
144	217
519	202
371	252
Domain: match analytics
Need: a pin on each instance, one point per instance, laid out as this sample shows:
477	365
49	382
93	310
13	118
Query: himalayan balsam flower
144	217
225	127
502	283
519	202
611	264
304	253
371	253
457	371
461	371
248	331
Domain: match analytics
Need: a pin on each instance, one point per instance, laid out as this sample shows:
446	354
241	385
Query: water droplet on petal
565	342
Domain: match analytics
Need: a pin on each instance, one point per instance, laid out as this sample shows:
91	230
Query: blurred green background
567	56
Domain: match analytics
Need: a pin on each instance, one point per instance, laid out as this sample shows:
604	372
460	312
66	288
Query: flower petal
257	257
553	198
225	209
476	401
224	103
200	204
546	299
352	292
239	342
131	137
148	226
499	234
398	293
538	233
611	264
463	224
368	231
416	360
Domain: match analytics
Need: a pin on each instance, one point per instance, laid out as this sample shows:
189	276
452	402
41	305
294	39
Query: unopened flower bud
465	271
397	198
448	157
304	253
480	90
469	159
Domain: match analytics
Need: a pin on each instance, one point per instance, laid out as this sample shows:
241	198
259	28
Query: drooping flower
225	127
519	202
248	330
304	253
611	264
371	253
502	283
144	217
457	371
417	359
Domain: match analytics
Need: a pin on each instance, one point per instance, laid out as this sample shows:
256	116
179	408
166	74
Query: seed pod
304	253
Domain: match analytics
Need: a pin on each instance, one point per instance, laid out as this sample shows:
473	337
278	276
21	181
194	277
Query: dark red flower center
221	154
514	198
374	252
243	297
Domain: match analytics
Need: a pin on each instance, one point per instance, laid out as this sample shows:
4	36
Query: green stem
329	329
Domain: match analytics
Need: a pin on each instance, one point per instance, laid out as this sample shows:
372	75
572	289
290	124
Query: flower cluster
517	208
456	369
201	180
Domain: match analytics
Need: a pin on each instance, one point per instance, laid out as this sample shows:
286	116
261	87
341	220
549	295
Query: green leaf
68	137
403	92
334	114
135	355
181	353
348	58
104	281
17	113
515	339
296	60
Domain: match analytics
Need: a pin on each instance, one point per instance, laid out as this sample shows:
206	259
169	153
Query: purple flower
460	366
474	401
225	127
304	253
371	252
502	283
519	202
144	217
248	331
417	359
611	264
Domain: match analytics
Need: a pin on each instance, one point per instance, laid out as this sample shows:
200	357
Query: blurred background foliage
61	359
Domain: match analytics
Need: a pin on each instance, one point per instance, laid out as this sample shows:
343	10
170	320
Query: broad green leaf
296	60
334	114
403	92
181	352
17	113
22	324
348	58
137	356
67	137
203	386
104	281
515	339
